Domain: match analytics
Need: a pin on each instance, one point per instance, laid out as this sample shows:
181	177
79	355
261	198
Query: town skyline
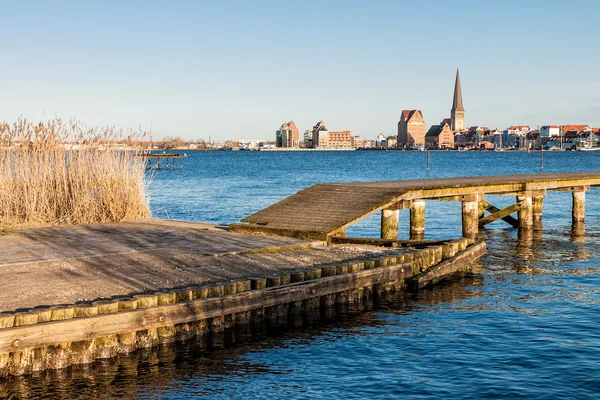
191	69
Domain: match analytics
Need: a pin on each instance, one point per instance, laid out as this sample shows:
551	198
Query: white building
381	141
549	131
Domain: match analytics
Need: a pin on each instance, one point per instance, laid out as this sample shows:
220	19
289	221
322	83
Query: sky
239	69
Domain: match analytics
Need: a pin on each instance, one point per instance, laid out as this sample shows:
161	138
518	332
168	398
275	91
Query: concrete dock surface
68	264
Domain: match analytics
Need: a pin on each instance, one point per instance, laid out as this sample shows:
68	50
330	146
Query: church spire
457	104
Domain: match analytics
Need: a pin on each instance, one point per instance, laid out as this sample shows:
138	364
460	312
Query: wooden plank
500	214
448	267
511	220
68	331
385	242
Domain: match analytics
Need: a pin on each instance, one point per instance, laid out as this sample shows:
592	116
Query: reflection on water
155	372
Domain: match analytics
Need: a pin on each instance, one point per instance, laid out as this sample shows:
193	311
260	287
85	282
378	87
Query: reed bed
61	172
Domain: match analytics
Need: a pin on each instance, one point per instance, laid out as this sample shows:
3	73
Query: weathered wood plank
72	330
447	267
385	242
511	220
503	214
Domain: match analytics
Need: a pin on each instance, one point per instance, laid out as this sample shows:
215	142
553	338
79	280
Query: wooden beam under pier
501	214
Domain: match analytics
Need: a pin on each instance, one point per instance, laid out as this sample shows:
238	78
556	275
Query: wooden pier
325	211
75	294
170	160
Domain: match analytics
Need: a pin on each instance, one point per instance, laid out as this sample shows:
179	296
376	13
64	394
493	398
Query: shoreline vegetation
60	172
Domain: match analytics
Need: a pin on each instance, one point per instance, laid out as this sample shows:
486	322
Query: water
524	326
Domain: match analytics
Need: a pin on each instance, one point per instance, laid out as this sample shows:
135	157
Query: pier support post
417	219
525	213
470	217
578	206
481	205
389	224
537	204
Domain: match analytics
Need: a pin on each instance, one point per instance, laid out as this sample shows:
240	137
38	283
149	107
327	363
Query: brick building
288	135
411	129
440	136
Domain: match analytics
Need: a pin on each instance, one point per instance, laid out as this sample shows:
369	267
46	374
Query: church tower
457	114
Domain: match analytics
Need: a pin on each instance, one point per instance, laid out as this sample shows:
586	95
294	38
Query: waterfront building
532	139
288	135
518	129
457	114
564	129
440	136
359	143
322	138
341	140
320	135
467	140
549	130
411	129
392	142
308	139
381	141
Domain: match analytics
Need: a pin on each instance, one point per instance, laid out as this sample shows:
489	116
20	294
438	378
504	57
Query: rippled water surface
524	325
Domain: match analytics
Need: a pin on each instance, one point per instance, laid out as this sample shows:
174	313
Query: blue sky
238	69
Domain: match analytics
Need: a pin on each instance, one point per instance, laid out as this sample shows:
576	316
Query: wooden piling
470	217
146	337
481	205
525	213
537	204
417	219
578	211
389	224
107	346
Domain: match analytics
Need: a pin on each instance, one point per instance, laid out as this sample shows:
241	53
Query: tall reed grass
61	172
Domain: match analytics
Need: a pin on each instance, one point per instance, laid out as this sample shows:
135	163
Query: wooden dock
170	160
325	211
75	294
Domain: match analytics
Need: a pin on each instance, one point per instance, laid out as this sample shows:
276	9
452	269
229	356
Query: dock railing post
389	224
470	216
417	219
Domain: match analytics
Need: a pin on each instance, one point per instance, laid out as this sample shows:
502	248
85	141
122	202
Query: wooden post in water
537	206
417	219
389	224
578	206
470	217
481	205
525	213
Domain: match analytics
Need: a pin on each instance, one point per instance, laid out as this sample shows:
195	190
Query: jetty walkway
325	211
75	294
158	157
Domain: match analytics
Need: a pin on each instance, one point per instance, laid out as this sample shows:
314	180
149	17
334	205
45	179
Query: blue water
525	325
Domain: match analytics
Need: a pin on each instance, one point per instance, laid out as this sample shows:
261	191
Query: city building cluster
319	137
450	133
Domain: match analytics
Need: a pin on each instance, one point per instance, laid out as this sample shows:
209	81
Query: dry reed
59	172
